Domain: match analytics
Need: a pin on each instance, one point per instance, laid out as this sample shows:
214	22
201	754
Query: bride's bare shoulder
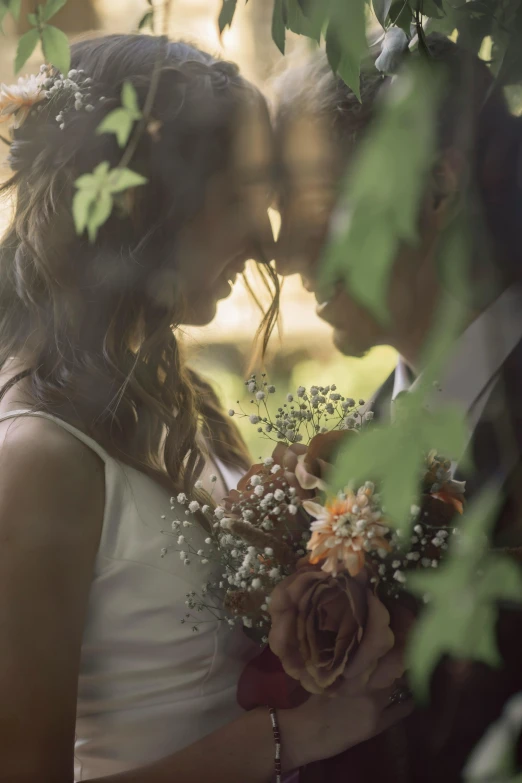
46	472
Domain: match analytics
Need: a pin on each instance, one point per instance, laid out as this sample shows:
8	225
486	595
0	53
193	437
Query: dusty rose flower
328	630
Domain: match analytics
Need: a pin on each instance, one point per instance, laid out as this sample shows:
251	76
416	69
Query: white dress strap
76	433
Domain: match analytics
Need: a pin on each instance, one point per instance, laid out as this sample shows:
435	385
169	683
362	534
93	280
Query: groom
319	124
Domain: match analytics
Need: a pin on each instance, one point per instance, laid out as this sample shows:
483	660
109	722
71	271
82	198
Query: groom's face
311	166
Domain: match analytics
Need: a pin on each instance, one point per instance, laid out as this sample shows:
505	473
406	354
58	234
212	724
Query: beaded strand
277	742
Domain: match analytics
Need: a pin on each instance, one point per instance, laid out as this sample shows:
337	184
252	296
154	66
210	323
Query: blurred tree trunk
77	16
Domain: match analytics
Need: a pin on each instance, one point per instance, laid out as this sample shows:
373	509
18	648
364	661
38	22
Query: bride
101	422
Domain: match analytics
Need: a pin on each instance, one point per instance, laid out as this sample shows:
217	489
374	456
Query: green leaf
101	171
82	201
99	214
432	9
147	20
32	19
474	21
347	35
118	122
424	652
279	25
56	48
51	8
3	12
93	202
297	22
333	48
15	8
401	16
121	121
414	431
129	100
503	577
384	189
463	598
123	179
226	15
394	48
381	9
374	454
508	46
349	69
26	46
95	180
315	14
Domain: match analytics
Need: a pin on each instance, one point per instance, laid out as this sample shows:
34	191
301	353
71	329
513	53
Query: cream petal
317	549
315	510
307	480
320	525
21	116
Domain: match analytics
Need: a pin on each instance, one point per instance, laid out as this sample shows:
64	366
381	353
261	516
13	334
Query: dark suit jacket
433	744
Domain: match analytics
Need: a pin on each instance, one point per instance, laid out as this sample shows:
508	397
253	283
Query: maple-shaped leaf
226	15
121	121
462	598
393	455
93	201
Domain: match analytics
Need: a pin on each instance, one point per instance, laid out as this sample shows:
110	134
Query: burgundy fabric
264	683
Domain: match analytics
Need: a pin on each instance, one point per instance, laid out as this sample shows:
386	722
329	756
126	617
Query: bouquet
314	571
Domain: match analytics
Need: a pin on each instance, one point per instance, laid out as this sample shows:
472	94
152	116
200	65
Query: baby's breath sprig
251	545
304	414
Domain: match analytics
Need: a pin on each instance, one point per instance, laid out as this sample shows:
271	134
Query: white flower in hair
17	100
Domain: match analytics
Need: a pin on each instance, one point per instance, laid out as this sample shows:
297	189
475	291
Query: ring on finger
399	695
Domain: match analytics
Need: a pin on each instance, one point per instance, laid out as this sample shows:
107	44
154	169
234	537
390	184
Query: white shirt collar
472	370
402	379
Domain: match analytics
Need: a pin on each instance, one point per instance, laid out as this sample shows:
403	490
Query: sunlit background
302	353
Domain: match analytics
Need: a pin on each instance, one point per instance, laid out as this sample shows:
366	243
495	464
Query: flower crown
73	92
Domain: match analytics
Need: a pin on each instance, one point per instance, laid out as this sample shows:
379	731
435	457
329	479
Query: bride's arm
52	491
243	751
51	510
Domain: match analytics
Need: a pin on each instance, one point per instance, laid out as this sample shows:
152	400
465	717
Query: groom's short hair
473	117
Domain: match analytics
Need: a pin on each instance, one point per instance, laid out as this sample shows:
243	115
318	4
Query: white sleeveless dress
148	685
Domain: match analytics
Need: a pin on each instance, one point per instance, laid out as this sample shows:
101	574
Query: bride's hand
328	725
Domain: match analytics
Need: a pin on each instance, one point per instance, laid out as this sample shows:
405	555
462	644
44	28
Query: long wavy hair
101	343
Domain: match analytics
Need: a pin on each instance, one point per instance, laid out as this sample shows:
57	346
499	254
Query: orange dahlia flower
345	529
